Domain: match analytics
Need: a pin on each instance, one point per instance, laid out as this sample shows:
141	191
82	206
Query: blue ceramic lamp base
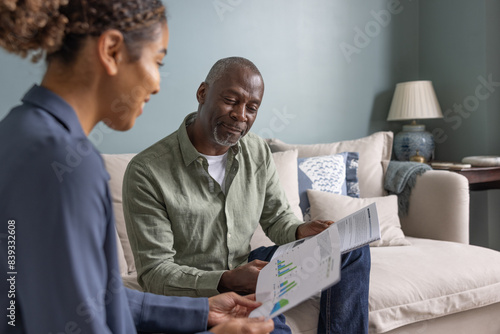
413	138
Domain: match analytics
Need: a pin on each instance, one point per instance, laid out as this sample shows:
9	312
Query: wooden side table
483	227
480	178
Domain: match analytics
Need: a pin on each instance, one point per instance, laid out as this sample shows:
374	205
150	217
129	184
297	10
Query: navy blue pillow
336	173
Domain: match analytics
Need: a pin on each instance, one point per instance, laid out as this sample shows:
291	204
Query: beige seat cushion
373	150
427	280
430	279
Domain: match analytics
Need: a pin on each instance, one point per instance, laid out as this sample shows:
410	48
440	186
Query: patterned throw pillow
336	173
373	151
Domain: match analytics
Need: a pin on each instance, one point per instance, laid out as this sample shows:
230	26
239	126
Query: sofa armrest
439	207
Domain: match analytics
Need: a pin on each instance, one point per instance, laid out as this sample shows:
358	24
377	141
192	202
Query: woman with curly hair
57	234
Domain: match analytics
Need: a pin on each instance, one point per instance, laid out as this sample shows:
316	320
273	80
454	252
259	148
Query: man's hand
312	228
242	279
244	326
227	306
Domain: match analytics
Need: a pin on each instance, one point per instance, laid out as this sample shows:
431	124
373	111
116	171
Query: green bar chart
286	286
285	268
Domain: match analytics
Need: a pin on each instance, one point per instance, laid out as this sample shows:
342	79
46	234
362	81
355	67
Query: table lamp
414	100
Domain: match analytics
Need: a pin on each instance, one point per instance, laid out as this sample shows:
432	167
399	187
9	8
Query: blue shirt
58	255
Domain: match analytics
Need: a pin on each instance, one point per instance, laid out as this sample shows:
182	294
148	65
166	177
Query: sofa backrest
374	154
116	165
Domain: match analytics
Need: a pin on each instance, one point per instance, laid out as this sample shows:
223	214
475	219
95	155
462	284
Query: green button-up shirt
183	229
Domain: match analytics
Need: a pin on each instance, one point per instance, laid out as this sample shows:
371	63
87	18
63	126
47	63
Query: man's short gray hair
221	67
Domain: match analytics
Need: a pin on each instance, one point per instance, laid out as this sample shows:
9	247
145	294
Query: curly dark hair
56	28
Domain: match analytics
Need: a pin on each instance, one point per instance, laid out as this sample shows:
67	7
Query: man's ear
111	50
201	93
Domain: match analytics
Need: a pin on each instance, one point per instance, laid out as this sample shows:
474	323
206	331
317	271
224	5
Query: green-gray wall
330	67
459	50
314	90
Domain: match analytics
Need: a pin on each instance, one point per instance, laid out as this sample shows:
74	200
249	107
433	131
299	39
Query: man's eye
230	101
160	64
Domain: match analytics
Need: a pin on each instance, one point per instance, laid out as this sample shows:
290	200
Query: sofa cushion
326	206
303	318
427	280
373	150
430	279
116	165
122	261
336	173
130	281
286	165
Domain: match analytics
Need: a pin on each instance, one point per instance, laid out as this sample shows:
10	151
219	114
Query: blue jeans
344	306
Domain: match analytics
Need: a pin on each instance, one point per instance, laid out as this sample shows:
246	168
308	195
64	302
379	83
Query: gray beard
223	141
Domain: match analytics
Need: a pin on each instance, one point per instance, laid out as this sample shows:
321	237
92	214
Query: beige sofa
436	284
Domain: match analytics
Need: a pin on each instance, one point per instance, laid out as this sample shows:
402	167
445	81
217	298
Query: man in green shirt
193	200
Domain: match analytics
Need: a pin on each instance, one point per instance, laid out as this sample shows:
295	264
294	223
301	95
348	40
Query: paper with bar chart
300	269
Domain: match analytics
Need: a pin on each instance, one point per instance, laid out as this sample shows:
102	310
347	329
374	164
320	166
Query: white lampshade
414	100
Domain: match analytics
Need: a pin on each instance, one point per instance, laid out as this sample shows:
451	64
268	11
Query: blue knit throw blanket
400	179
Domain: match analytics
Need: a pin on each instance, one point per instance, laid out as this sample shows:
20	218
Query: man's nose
239	113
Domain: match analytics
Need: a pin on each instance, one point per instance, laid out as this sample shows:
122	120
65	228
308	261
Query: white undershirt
217	167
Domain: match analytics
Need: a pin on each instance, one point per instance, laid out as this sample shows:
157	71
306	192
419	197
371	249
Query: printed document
301	269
